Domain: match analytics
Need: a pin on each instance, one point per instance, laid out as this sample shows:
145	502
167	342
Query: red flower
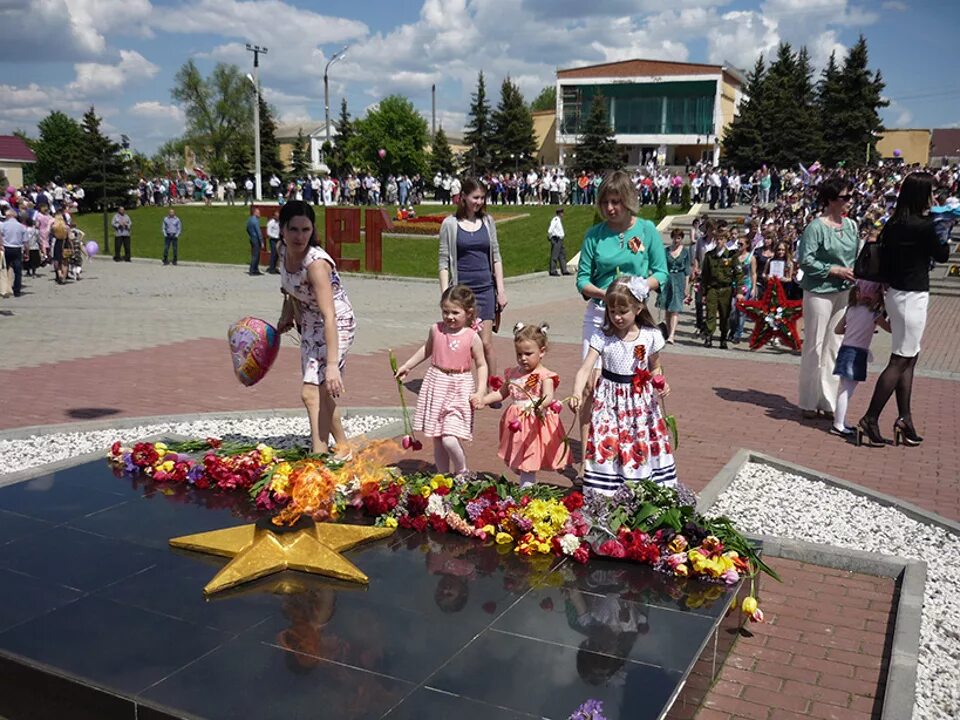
495	382
416	445
547	604
556	406
115	448
640	380
438	524
416	504
144	455
514	426
582	553
419	523
659	382
608	448
214	443
573	501
611	548
406	442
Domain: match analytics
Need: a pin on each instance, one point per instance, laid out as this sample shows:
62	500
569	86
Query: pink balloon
382	153
254	345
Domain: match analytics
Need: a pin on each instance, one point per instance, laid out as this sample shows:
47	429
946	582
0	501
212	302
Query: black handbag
869	265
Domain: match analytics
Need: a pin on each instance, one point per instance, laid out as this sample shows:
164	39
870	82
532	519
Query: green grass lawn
218	234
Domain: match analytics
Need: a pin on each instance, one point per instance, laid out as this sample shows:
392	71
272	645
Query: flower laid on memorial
774	316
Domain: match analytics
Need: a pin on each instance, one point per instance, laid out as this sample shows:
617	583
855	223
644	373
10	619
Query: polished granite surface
100	616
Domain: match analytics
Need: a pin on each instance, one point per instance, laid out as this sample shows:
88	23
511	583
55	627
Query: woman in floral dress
327	324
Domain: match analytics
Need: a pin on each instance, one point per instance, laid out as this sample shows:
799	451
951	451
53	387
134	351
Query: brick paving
823	651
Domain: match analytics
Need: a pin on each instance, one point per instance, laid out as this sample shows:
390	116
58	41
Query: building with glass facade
671	112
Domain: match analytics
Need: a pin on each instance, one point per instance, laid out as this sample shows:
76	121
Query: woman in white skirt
909	244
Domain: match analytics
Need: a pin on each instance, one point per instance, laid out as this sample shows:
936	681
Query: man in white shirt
248	192
558	255
273	235
455	187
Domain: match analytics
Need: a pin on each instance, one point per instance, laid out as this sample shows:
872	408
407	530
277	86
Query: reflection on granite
448	627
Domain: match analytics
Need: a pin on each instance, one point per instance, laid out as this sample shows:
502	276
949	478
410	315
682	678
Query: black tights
897	376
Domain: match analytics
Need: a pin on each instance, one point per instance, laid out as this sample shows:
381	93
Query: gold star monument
259	550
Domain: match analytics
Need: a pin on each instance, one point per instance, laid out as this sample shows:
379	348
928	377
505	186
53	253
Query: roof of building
313	127
639	67
945	142
14	148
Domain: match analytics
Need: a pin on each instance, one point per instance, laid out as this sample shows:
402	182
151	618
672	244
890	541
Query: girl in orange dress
532	437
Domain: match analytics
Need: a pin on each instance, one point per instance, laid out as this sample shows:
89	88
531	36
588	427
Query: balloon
382	153
896	153
254	344
92	248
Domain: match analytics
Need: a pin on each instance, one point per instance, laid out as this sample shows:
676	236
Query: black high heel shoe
904	433
871	429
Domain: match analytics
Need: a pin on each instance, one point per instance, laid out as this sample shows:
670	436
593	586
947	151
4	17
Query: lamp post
326	88
258	181
106	227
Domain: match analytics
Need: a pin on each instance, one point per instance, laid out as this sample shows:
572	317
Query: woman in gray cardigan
470	255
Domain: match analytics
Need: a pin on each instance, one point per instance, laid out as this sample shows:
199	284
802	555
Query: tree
218	109
57	148
857	121
597	149
441	156
240	159
512	138
269	147
546	100
830	104
298	158
743	144
338	156
478	130
396	127
102	170
791	127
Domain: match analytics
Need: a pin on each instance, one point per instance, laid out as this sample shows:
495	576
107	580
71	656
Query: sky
122	55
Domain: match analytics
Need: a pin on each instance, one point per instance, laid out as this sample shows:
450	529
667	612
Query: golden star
259	550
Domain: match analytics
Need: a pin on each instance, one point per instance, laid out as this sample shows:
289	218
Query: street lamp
326	87
256	50
103	169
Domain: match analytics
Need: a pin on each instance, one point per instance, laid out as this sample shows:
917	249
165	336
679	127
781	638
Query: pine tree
337	158
102	170
743	145
269	147
512	139
240	159
479	129
441	157
597	149
792	127
857	119
298	157
829	105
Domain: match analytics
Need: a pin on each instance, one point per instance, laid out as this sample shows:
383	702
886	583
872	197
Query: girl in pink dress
448	395
532	437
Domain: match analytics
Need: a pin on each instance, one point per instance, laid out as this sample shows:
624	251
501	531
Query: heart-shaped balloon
254	344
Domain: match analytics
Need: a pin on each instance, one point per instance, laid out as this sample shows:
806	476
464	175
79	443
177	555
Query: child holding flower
628	437
532	437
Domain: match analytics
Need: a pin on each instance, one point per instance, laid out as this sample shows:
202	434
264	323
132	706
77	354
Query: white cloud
155	110
99	78
895	5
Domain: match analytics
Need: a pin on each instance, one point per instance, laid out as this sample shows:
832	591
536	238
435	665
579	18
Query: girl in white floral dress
327	324
628	438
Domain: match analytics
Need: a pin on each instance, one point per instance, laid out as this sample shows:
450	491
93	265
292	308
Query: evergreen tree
792	131
830	105
269	147
102	170
337	157
479	129
743	144
857	121
441	157
57	148
810	147
240	159
546	100
512	140
597	149
298	157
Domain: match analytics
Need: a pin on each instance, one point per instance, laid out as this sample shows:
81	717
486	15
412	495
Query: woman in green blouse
827	252
622	244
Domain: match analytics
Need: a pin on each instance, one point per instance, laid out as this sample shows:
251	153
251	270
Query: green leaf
671	422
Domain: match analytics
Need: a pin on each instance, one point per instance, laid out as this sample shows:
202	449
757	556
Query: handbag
869	264
6	284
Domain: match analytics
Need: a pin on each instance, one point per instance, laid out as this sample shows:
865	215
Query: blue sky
122	55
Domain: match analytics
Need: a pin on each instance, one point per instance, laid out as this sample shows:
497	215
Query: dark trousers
714	197
124	242
254	256
14	258
273	255
718	303
558	255
698	308
168	242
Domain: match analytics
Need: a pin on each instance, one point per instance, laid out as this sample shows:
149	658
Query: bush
685	199
661	207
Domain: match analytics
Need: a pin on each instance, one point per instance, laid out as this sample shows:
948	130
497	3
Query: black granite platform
99	619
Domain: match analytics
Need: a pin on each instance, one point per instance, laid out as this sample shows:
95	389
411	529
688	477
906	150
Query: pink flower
659	382
495	382
730	576
757	616
513	426
406	442
556	406
675	560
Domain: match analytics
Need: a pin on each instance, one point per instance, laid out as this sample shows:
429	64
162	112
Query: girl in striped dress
448	395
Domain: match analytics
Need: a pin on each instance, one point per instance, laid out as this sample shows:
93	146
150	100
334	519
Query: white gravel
279	432
767	501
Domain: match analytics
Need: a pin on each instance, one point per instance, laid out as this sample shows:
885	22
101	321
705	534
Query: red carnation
115	448
416	504
611	548
659	382
582	554
214	443
495	382
442	490
416	445
419	523
438	524
573	501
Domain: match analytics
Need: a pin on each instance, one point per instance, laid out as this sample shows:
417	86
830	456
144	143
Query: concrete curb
911	575
391	429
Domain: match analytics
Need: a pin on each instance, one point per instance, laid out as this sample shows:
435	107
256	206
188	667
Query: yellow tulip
390	522
425	491
488	529
167	466
504	538
749	606
681	570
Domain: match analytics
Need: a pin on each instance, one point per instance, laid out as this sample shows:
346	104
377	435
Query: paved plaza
138	339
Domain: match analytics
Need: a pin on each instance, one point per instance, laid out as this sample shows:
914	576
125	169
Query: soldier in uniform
721	273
